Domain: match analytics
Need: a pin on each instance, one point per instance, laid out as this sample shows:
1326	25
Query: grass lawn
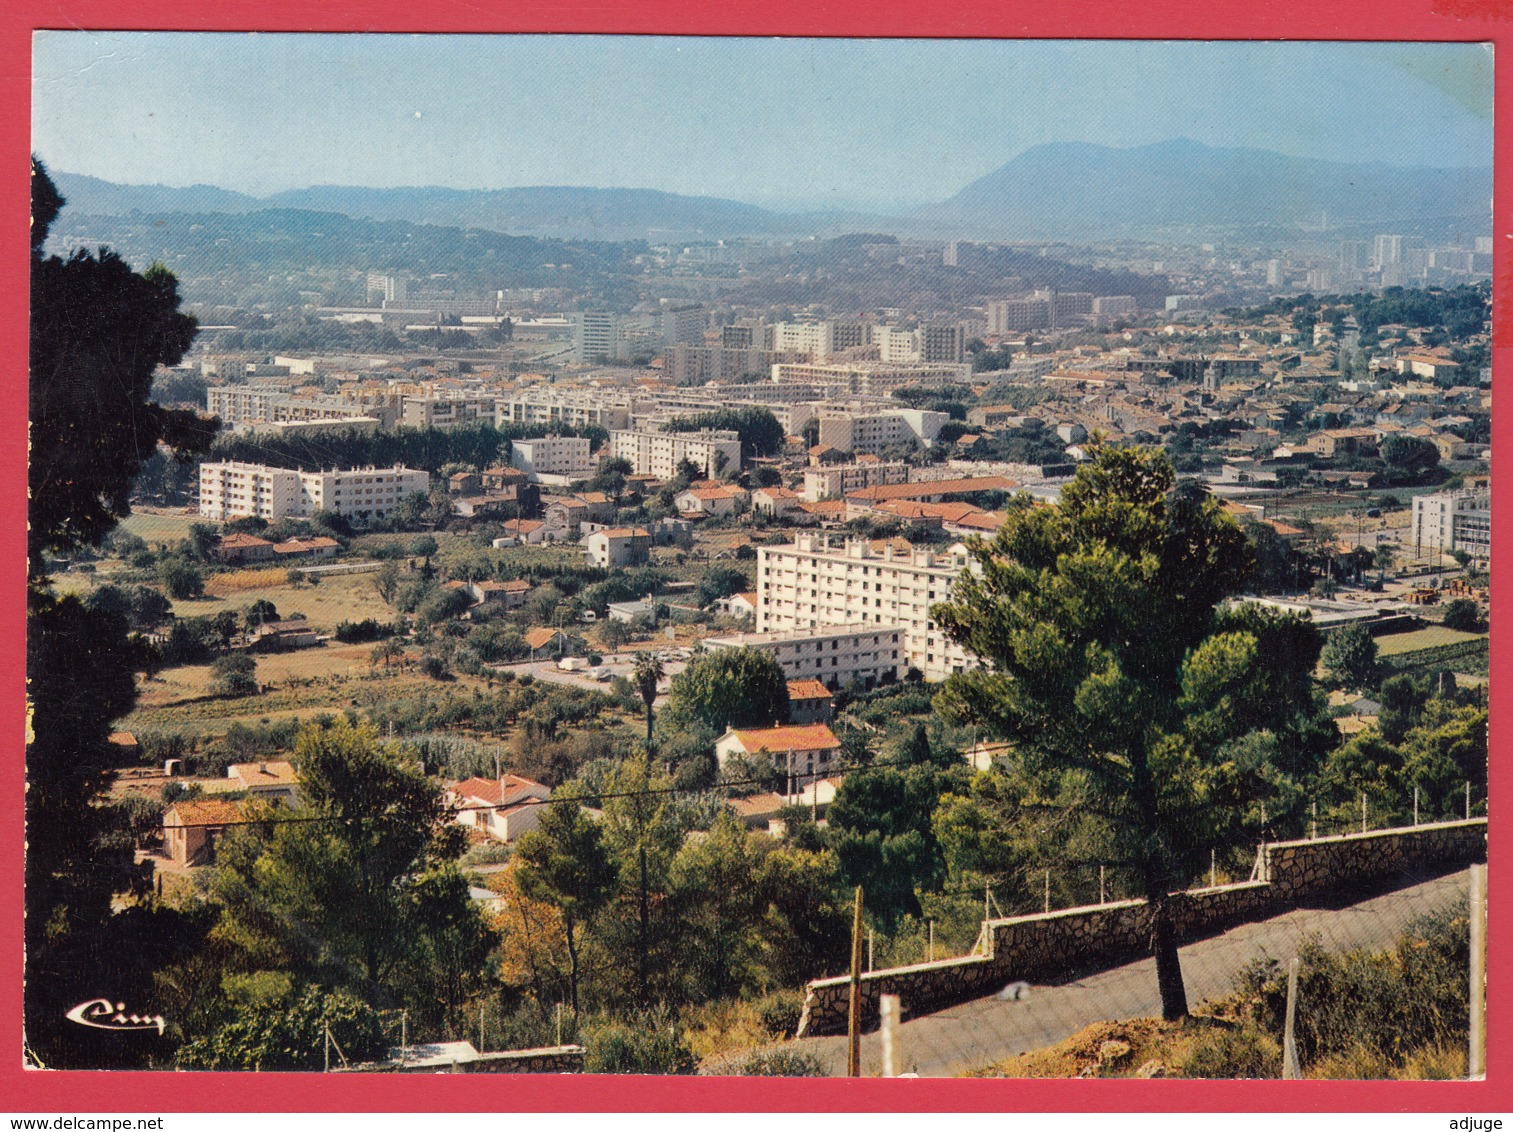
1396	644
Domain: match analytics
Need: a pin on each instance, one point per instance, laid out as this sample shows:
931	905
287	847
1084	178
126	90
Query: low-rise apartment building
553	456
712	451
1454	520
838	480
819	580
577	408
835	655
232	490
873	432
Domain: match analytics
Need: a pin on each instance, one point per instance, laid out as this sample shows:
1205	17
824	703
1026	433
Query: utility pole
854	1007
1048	891
1213	868
1101	892
1363	811
1415	805
1314	835
1291	1069
481	1007
930	955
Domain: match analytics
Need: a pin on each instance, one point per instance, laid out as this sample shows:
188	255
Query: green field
343	597
155	529
1420	639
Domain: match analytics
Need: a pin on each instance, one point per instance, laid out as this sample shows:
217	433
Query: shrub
1234	1052
359	632
654	1046
780	1062
780	1011
234	675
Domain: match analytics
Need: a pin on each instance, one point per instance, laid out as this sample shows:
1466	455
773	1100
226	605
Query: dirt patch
1135	1048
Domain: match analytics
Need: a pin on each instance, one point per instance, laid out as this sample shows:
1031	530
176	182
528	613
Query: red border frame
1448	20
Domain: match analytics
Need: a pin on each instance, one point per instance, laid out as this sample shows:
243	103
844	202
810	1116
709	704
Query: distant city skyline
782	123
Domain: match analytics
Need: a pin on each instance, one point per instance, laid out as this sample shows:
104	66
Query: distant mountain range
1065	191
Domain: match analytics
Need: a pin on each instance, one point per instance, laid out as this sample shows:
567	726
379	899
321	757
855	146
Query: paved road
978	1033
615	665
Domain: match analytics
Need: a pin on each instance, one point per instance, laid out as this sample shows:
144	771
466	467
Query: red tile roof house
243	548
275	780
503	807
545	642
809	701
191	829
317	546
507	595
809	752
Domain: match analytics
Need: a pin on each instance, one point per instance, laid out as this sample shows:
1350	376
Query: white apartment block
1454	520
553	456
577	408
659	453
822	581
817	339
874	432
446	412
596	336
864	378
838	480
231	490
836	655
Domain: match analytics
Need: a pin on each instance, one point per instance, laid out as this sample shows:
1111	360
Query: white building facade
823	581
553	456
659	453
232	490
835	655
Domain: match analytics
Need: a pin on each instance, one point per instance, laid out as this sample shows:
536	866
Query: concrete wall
1048	945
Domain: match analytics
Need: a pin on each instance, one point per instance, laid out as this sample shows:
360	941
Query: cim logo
102	1014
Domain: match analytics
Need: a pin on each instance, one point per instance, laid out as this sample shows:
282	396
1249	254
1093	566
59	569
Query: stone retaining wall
1048	945
560	1059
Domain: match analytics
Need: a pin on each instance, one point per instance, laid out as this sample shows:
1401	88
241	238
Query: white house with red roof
503	807
807	752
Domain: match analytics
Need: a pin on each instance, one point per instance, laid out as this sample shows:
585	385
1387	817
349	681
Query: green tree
1350	656
329	894
882	837
1464	614
648	674
719	904
234	675
564	862
290	1033
728	688
181	578
1098	618
721	582
1410	453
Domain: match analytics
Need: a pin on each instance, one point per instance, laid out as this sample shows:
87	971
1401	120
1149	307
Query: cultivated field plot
337	598
154	527
1432	638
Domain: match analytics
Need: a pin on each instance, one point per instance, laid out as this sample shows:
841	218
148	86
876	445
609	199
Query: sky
860	123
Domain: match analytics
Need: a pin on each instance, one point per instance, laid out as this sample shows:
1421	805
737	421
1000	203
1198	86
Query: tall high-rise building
596	336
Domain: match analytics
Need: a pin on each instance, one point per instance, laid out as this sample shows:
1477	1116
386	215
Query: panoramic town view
783	558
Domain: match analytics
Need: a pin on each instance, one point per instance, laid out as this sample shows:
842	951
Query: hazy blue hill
561	211
1067	190
106	198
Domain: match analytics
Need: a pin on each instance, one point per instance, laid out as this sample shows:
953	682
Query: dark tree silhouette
98	330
